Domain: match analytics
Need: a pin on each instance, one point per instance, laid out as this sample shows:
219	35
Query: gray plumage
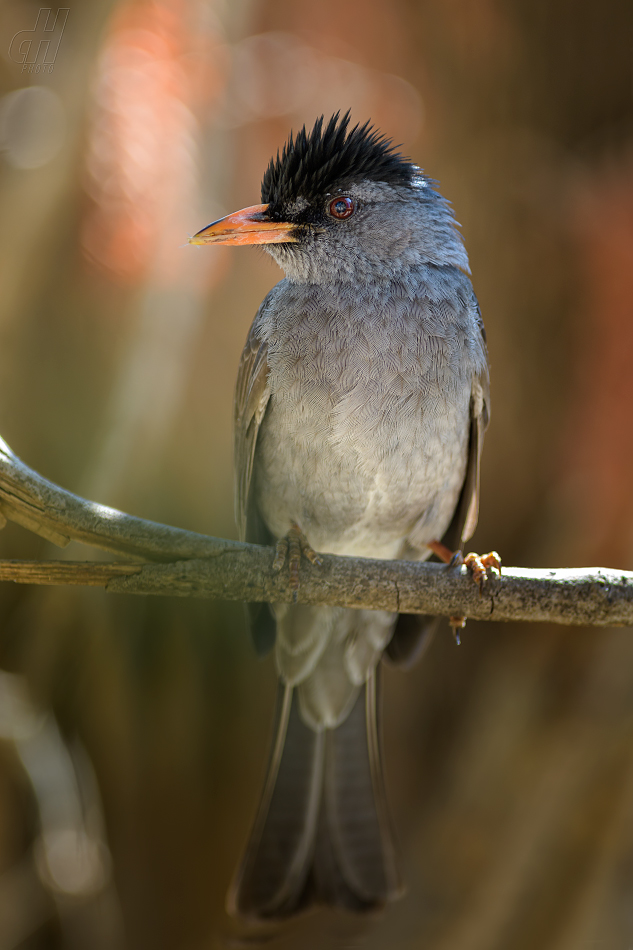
361	403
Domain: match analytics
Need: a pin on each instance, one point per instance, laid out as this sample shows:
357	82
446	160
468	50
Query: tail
322	832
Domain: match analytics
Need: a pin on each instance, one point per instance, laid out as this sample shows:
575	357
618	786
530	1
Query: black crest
314	163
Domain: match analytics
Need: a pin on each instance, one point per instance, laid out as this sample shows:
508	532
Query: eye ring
342	207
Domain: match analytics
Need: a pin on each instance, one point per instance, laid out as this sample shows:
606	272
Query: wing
251	398
252	393
464	522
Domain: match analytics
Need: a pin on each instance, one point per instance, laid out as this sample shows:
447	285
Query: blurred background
134	732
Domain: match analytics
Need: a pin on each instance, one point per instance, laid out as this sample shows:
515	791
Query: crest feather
313	163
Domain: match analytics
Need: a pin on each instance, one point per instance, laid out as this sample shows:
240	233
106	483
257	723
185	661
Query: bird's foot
480	564
293	546
477	564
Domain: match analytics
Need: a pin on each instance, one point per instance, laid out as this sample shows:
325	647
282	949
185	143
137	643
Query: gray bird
362	399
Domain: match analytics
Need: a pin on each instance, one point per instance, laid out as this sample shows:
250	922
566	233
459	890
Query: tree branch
60	517
201	566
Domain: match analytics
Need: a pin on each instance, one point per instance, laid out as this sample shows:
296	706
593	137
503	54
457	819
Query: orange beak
248	226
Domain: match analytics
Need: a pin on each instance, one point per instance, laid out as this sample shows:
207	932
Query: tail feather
355	860
276	864
322	833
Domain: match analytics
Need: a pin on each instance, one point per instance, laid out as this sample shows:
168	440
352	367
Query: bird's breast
365	435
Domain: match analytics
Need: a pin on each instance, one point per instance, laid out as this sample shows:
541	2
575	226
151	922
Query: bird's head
344	204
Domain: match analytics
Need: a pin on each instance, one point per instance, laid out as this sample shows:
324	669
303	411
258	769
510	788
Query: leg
440	550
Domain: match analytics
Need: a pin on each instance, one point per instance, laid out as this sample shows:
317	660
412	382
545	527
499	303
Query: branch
200	566
60	517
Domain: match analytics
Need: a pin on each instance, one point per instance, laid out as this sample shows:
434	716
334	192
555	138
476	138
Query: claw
457	624
311	555
293	546
492	560
456	561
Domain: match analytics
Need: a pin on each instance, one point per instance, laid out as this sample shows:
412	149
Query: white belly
363	488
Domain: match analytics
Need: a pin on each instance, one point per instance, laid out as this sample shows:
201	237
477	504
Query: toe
281	551
491	560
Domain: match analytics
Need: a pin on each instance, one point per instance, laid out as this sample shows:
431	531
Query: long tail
322	832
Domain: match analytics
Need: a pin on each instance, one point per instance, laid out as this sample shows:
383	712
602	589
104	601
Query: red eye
342	207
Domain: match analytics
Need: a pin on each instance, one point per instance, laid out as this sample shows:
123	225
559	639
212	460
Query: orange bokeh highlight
154	76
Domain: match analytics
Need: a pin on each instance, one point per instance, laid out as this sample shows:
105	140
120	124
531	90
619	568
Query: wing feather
480	417
251	398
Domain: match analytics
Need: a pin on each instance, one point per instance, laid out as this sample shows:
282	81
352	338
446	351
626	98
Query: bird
361	403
